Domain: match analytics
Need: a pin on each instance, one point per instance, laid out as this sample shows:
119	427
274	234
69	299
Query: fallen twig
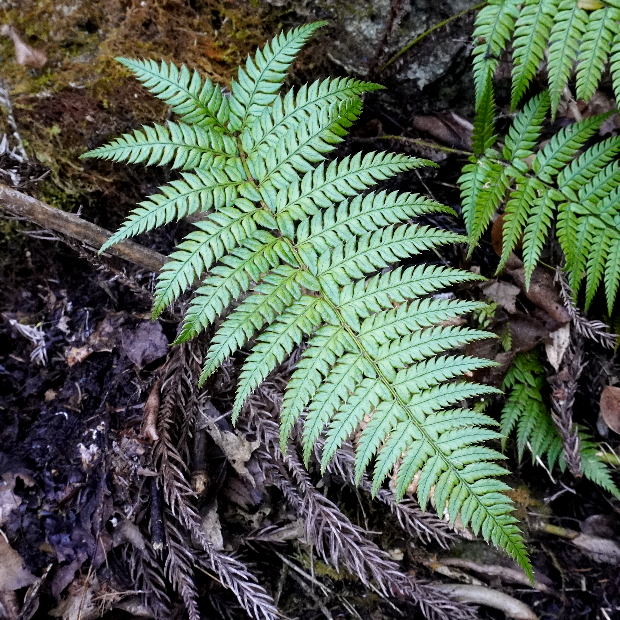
491	598
505	574
33	210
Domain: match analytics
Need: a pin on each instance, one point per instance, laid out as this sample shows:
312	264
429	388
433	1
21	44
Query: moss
83	97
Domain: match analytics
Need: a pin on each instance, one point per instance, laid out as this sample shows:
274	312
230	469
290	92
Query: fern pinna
566	28
580	188
312	256
526	412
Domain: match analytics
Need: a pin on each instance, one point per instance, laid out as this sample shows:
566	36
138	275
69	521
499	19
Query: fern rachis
319	261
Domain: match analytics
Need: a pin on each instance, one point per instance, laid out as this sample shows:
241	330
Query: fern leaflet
526	412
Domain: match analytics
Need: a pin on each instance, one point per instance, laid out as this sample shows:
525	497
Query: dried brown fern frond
333	535
590	329
180	404
179	564
565	385
146	573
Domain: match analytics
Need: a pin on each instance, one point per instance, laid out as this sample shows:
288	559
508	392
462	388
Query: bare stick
33	210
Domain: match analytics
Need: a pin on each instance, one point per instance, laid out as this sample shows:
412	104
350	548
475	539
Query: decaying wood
21	205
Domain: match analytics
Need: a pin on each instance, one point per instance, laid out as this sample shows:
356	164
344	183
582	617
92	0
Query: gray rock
358	41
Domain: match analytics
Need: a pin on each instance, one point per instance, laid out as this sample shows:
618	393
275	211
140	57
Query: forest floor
80	358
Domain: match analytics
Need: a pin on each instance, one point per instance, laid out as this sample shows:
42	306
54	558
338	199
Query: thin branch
37	212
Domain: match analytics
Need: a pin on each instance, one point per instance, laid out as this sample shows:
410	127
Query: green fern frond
563	147
562	31
335	226
302	146
309	254
240	267
494	26
484	123
196	103
601	185
516	215
276	343
568	27
525	410
286	112
323	187
573	178
491	195
524	133
472	181
614	64
594	50
581	187
179	145
200	250
532	32
360	299
535	233
612	271
199	191
256	86
277	290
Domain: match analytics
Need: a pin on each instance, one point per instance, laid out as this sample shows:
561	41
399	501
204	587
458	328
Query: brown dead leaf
9	501
13	573
526	333
234	445
80	602
610	407
104	338
210	524
448	128
503	293
542	292
560	339
601	550
25	55
497	235
146	343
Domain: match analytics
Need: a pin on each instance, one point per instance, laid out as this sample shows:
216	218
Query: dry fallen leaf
560	339
503	293
104	338
146	343
610	407
601	549
448	128
24	54
235	447
80	603
210	524
542	292
9	501
13	573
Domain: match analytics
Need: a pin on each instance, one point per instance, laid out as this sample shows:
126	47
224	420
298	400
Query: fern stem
425	34
419	142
